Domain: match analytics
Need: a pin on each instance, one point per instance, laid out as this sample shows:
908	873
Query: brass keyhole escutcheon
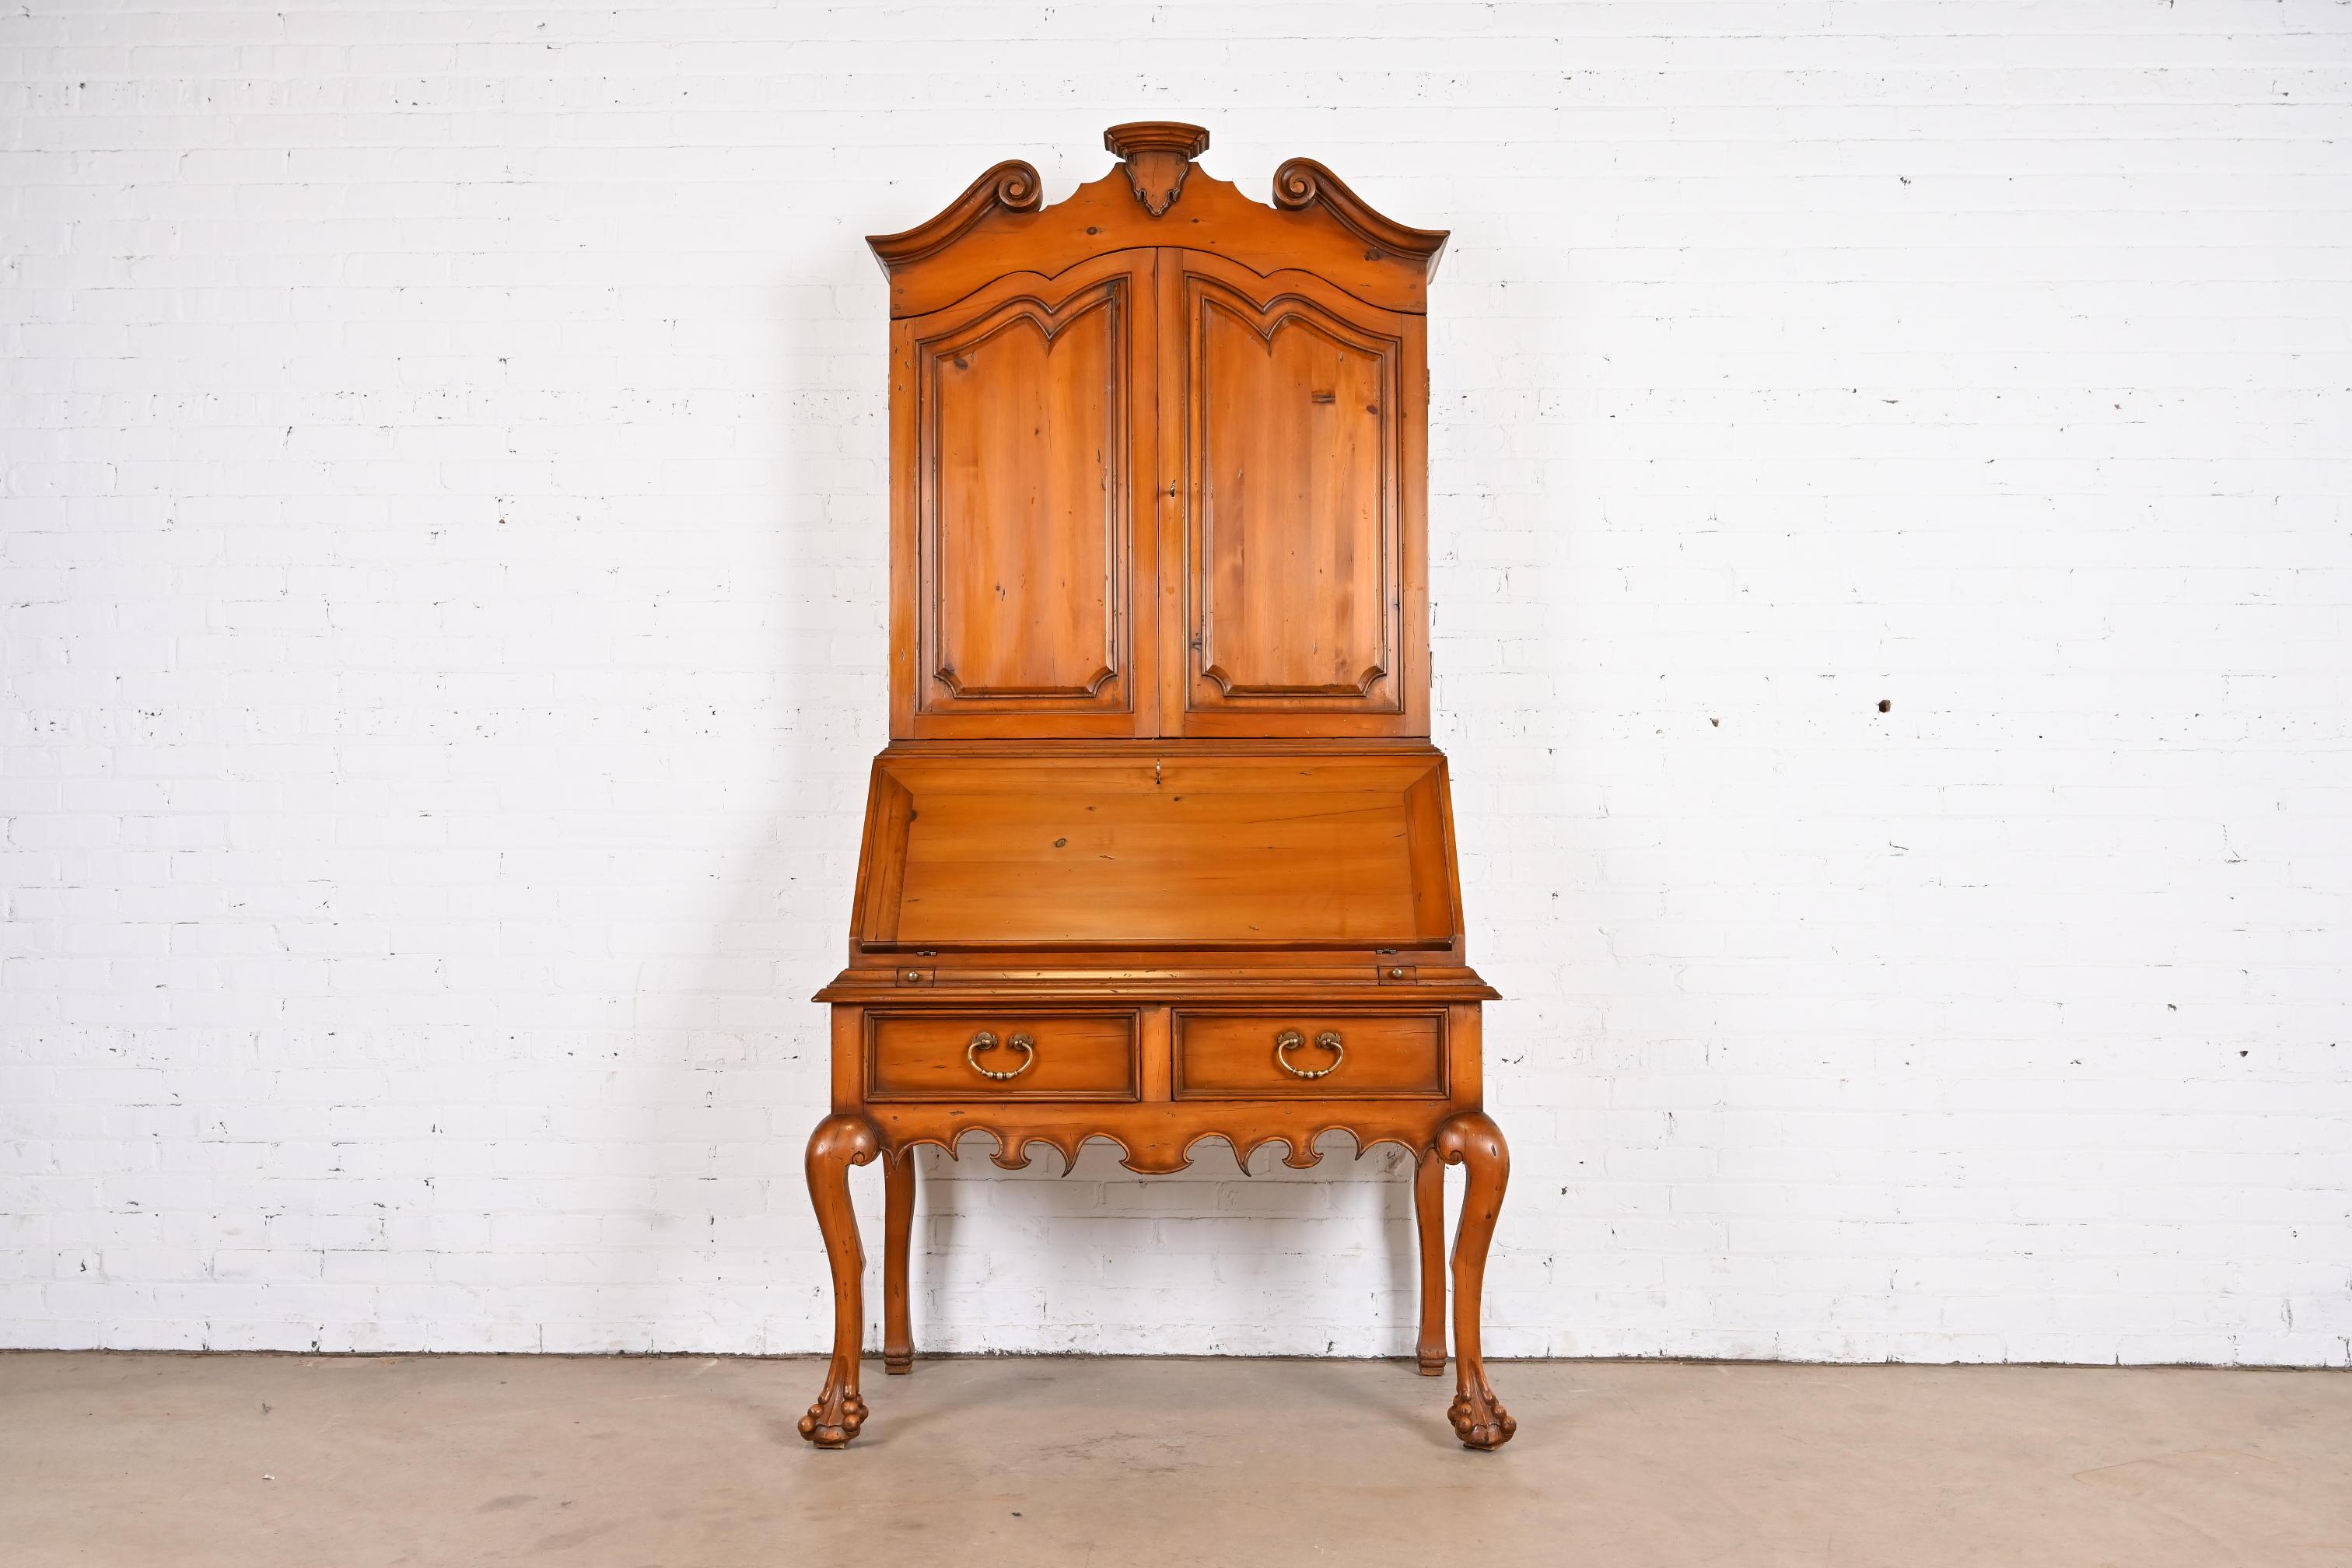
984	1041
1290	1040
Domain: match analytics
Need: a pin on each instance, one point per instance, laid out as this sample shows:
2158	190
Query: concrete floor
255	1461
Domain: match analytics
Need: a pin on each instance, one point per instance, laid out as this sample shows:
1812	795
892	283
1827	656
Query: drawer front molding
1312	1051
1009	1053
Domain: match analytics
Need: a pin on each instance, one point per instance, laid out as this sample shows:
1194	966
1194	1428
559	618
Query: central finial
1159	154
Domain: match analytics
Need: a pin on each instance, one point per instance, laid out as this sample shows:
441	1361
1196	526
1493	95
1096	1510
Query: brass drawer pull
1291	1039
984	1041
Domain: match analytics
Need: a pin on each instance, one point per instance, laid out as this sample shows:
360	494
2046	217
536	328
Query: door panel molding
1295	475
1026	514
940	565
1287	313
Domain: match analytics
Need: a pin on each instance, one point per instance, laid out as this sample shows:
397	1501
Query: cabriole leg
840	1142
897	1233
1471	1140
1429	1215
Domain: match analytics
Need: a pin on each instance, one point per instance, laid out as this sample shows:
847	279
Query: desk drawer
1242	1056
934	1056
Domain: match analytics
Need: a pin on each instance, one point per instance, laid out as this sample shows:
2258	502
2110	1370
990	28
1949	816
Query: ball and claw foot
833	1420
1480	1420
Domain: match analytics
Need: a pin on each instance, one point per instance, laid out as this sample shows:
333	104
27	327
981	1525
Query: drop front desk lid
1317	852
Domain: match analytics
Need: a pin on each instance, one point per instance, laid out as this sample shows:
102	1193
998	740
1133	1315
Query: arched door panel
1299	573
1029	439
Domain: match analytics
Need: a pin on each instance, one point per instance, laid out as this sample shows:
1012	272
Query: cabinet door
1023	444
1296	582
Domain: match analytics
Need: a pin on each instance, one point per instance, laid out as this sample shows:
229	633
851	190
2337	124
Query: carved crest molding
1159	154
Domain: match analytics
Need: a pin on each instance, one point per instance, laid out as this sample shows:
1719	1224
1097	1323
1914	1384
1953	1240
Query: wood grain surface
1160	856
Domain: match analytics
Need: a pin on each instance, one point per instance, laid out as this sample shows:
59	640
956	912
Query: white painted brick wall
444	550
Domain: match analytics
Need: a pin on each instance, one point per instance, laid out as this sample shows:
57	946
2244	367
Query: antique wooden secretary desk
1159	851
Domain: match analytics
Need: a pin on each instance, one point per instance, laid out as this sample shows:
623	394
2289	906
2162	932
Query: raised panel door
1297	599
1025	497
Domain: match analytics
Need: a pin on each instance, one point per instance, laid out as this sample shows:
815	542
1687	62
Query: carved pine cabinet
1159	851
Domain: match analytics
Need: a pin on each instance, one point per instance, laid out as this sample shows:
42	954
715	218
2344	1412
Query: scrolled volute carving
1297	183
1012	185
1303	183
1016	186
